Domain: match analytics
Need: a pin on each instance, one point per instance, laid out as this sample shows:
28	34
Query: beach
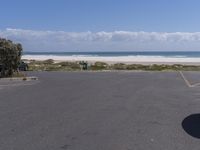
137	59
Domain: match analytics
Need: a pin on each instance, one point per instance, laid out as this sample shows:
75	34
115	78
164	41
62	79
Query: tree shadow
191	125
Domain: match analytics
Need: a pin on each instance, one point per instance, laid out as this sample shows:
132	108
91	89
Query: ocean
136	56
108	54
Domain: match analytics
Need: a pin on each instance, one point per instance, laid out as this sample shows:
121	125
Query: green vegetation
18	74
99	66
155	67
50	65
10	55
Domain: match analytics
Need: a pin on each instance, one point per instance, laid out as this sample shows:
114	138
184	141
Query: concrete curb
20	79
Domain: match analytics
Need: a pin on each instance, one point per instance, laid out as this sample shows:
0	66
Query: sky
102	25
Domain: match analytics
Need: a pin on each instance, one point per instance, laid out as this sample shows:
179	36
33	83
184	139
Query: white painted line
17	84
187	81
196	84
184	78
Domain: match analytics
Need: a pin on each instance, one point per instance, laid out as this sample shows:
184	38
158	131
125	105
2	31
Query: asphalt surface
100	111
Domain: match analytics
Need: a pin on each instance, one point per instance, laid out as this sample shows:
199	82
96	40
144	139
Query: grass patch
18	75
50	65
99	66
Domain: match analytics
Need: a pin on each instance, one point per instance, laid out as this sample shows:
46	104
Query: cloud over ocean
103	41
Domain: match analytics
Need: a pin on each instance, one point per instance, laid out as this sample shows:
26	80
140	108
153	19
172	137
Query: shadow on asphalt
191	125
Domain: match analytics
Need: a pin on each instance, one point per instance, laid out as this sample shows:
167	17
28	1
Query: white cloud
107	41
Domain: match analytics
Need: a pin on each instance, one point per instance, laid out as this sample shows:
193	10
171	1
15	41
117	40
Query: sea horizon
117	53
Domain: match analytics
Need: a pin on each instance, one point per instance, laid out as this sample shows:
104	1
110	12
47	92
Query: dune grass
50	65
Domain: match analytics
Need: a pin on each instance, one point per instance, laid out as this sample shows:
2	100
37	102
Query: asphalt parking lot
101	111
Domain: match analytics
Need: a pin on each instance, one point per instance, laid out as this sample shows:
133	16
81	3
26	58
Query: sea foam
120	59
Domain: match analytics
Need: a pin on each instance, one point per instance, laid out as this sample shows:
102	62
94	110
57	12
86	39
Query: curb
20	79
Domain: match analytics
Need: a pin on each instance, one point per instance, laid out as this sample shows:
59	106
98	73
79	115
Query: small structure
84	65
23	66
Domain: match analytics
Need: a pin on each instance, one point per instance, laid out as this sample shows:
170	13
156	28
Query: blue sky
22	20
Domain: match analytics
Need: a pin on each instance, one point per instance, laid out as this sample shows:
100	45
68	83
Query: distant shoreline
145	60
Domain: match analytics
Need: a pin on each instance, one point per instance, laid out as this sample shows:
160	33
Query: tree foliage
10	56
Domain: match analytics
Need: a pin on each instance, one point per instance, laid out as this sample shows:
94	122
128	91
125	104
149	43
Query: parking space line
17	84
184	78
196	84
187	81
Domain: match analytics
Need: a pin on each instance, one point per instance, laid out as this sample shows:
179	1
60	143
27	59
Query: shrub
99	66
10	56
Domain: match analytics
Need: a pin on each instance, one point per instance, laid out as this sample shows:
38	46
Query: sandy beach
118	59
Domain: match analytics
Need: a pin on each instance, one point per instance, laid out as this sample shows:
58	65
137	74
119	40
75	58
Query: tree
10	56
